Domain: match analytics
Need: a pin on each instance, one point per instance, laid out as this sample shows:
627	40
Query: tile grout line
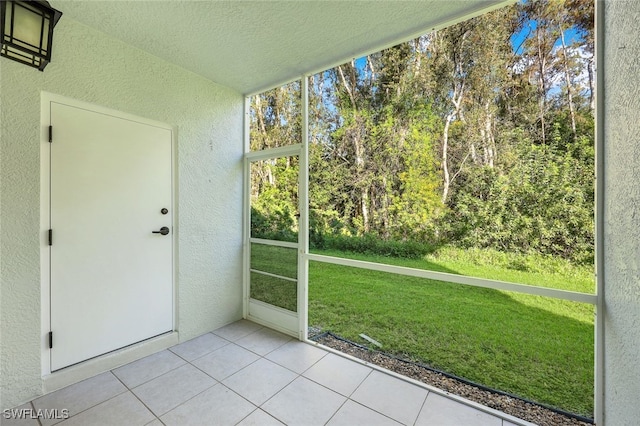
263	356
243	419
339	408
261	410
95	405
280	390
347	397
184	402
273	396
235	372
219	382
238	338
241	396
360	384
383	414
274	349
136	397
153	378
226	377
293	371
33	407
301	375
422	407
374	409
210	352
333	390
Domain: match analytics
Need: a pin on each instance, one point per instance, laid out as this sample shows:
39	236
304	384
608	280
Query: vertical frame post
599	356
303	224
246	210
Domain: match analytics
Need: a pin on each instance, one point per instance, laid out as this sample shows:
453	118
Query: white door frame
45	202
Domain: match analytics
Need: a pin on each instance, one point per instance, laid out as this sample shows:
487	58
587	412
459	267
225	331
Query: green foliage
416	205
369	244
276	118
544	204
274	200
277	224
456	137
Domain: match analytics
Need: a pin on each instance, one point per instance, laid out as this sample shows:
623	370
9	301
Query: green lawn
281	261
535	347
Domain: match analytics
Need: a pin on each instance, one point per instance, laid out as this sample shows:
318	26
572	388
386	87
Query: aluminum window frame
596	299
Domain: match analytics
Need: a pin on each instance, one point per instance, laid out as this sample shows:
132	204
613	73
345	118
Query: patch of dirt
513	406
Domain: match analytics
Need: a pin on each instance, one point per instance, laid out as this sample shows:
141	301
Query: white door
111	276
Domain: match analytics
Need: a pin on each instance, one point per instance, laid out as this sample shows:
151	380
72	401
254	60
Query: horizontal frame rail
269	274
460	279
271	153
277	309
277	243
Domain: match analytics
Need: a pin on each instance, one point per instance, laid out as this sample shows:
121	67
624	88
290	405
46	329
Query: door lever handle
164	231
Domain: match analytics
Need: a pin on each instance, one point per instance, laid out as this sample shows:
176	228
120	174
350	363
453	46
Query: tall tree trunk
364	207
372	76
542	83
445	156
542	86
567	77
347	88
270	178
260	115
385	209
488	137
473	153
592	87
456	99
356	139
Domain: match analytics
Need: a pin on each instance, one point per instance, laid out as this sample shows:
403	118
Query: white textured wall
89	66
622	213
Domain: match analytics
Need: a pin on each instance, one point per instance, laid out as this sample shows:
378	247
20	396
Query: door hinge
50	339
50	133
50	237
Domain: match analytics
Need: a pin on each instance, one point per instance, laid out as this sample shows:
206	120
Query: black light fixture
27	31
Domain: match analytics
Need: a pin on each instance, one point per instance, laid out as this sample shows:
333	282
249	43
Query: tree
275	121
480	133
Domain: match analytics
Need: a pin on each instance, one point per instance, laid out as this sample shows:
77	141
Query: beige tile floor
245	374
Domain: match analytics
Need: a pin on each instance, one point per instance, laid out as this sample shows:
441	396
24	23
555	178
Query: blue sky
571	35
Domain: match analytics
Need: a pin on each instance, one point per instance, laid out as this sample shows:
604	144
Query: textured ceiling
254	45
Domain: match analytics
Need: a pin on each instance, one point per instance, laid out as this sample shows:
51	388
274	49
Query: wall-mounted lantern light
27	31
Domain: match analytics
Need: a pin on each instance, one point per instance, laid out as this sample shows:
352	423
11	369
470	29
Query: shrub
543	205
369	244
